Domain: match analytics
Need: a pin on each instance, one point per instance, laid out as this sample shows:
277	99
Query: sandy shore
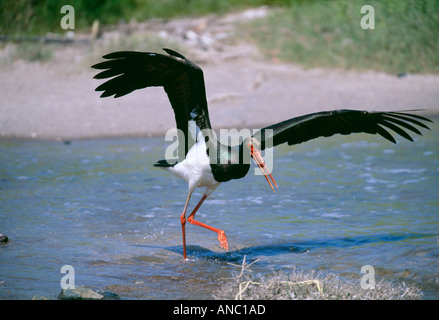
56	100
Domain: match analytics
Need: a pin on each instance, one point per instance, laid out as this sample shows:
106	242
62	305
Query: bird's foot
223	240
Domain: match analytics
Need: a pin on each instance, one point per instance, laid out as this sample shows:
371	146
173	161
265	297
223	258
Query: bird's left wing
328	123
182	80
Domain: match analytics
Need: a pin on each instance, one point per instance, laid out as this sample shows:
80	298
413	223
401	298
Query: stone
3	238
80	293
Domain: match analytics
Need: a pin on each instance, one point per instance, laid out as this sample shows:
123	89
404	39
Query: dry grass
313	285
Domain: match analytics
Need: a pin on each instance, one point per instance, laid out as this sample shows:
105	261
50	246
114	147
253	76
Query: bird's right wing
182	80
328	123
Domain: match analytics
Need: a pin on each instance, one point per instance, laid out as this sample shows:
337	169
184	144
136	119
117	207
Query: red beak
257	157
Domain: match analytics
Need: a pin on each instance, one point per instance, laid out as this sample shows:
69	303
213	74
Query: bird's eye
193	115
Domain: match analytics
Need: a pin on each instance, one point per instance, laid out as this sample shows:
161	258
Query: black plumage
327	123
182	80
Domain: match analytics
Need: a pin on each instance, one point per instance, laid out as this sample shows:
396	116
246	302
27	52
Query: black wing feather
182	80
328	123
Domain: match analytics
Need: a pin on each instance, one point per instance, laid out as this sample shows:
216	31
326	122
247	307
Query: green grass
42	16
311	33
328	34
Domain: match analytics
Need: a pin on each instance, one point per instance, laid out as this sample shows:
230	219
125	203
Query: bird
204	161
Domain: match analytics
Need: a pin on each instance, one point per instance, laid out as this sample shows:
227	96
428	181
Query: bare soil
56	100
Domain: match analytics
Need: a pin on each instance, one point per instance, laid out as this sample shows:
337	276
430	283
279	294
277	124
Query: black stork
208	162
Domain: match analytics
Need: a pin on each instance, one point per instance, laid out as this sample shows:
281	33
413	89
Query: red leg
183	223
221	235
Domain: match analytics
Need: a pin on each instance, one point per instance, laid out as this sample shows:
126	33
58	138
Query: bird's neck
227	162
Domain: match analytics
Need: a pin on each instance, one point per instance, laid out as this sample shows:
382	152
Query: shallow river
102	208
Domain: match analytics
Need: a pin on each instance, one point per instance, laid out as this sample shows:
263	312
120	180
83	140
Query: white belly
195	169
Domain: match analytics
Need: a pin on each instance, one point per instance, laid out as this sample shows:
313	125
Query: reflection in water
255	252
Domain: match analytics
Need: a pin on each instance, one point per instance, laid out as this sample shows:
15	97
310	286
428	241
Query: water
101	207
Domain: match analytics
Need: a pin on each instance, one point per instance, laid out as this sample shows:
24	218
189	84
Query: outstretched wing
182	80
328	123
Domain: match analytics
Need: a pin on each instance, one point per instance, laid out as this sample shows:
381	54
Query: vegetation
42	16
312	33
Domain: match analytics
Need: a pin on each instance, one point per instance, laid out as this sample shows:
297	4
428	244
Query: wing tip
105	94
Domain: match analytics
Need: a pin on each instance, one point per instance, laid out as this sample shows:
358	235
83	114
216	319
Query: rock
3	238
110	295
80	293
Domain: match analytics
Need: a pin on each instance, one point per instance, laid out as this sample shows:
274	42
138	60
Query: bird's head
254	146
